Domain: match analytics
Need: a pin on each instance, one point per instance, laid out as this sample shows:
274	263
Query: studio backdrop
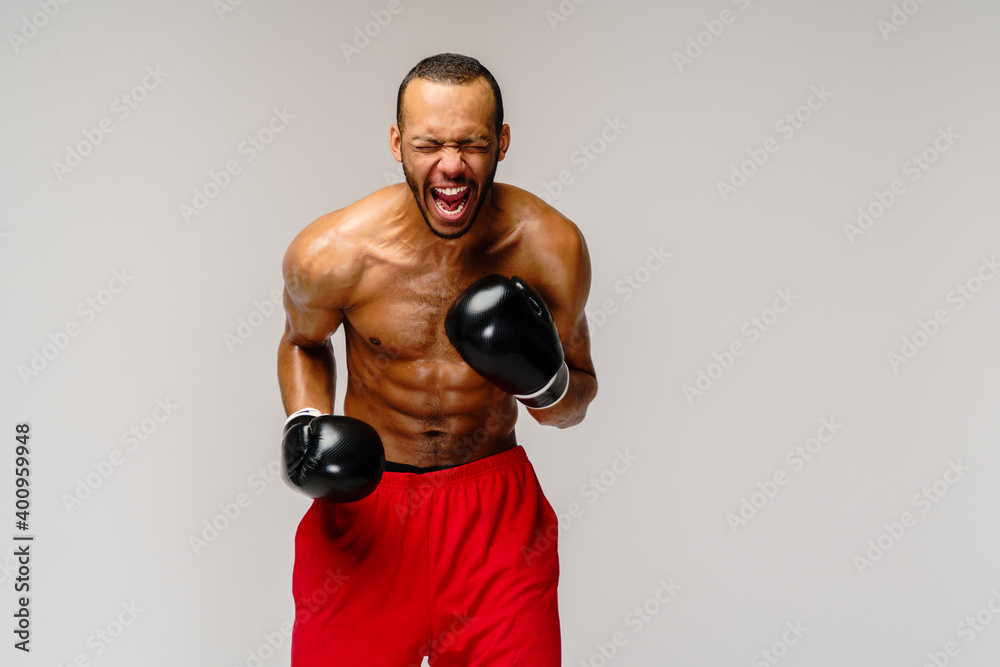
791	212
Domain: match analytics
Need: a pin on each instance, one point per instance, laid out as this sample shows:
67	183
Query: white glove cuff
553	391
312	412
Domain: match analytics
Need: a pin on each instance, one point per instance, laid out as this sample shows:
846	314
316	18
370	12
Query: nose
451	163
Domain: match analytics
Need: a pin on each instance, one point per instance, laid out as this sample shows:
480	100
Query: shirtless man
442	558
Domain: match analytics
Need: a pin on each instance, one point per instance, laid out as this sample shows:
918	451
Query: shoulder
551	240
325	261
556	260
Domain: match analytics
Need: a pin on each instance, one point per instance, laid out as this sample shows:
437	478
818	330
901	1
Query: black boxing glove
337	459
504	330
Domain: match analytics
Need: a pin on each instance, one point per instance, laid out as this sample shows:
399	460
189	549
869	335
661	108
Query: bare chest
402	308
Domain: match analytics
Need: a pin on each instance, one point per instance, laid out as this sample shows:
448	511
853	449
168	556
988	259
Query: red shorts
459	564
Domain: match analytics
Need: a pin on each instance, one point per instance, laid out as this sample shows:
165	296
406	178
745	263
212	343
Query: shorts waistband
406	480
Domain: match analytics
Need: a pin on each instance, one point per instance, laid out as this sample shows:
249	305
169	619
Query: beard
420	198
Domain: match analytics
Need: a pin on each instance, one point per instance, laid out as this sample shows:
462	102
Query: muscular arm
307	372
316	286
564	282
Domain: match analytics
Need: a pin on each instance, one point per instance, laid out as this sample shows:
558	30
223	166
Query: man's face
449	151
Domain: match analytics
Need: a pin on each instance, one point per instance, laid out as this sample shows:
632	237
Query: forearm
307	376
571	410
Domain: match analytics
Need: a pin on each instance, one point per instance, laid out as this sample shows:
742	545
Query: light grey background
169	334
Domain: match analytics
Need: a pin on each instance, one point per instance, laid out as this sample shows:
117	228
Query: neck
443	250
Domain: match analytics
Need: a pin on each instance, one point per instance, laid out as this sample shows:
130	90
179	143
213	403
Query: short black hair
456	69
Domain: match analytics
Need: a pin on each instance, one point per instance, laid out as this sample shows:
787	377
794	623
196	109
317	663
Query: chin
443	230
449	234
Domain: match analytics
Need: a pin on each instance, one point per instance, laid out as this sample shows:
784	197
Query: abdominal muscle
428	412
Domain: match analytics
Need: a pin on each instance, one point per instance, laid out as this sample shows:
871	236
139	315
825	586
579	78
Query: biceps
570	316
310	327
576	345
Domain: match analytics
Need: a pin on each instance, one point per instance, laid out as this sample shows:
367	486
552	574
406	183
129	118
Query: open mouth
450	202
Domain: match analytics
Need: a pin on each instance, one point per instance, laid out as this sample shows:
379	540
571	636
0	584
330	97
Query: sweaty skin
386	270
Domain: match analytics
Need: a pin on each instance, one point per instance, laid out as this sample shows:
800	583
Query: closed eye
425	146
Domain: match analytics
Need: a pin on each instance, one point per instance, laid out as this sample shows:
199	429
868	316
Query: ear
396	142
504	141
